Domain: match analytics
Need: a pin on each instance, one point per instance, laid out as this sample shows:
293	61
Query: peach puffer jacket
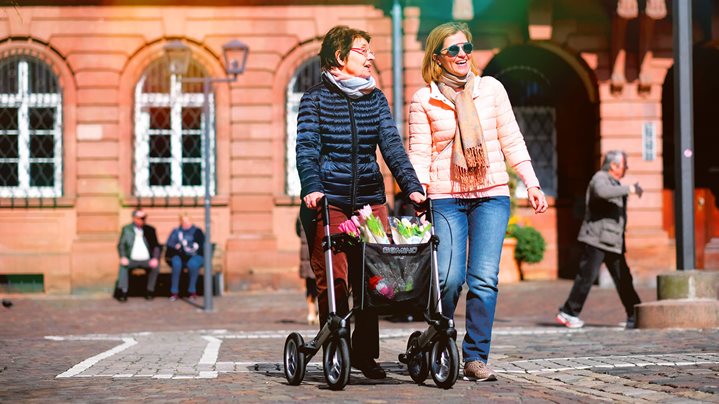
432	124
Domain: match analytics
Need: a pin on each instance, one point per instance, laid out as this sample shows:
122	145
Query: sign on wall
649	142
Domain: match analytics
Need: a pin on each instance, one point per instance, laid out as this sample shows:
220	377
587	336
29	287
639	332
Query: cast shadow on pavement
314	375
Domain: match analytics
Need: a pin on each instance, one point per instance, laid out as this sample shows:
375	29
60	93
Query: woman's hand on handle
417	197
537	200
312	199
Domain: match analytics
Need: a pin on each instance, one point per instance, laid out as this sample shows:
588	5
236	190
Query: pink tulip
349	227
366	212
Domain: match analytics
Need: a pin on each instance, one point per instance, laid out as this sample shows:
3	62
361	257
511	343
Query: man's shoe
193	296
569	321
631	323
478	371
370	369
123	297
174	297
149	295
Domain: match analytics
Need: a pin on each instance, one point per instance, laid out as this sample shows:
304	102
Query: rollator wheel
444	363
336	363
417	365
294	359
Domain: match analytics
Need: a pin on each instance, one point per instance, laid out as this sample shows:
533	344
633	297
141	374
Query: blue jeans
193	266
478	225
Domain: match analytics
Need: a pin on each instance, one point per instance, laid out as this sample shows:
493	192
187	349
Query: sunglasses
453	50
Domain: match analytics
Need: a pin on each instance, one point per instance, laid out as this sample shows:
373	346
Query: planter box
508	267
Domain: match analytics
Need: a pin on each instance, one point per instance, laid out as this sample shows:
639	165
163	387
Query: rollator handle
424	209
325	209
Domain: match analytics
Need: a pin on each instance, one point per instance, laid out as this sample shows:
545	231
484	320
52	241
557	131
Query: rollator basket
396	278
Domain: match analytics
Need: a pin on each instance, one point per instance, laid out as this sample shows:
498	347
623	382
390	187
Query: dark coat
605	217
127	239
337	140
187	242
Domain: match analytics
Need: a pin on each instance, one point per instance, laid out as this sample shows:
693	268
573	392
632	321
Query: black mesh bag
395	278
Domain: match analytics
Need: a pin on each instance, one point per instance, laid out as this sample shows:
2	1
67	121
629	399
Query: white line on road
406	332
212	350
89	362
533	366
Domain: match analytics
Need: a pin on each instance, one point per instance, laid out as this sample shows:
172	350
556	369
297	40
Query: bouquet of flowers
409	231
366	226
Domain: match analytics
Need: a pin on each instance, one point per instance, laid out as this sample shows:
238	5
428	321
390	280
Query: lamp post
235	57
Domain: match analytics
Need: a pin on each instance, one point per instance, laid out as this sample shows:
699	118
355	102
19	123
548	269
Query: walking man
138	248
602	239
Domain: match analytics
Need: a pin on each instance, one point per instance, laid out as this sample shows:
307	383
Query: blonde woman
462	135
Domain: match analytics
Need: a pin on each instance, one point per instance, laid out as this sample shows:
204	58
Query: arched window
530	92
307	75
169	122
30	128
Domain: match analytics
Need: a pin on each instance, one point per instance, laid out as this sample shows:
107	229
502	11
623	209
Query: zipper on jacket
355	146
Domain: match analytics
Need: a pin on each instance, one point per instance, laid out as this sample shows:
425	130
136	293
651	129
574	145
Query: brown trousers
365	339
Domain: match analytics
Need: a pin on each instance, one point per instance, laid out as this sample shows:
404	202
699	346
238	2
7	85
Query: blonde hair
431	70
184	215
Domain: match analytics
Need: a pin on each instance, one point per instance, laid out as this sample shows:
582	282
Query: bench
138	278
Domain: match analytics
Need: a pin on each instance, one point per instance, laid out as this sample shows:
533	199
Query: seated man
138	248
185	249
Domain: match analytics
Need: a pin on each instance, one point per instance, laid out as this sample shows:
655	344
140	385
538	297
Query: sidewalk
172	351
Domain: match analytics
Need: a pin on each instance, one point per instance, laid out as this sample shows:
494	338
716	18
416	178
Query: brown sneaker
478	371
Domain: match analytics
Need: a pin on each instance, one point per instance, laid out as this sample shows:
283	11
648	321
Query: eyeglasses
363	51
453	50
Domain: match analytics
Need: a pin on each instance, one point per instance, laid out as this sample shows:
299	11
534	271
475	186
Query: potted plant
508	266
523	243
530	246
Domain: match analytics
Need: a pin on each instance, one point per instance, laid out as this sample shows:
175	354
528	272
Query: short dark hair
339	38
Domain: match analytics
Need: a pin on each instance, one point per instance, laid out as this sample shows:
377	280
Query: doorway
558	116
706	163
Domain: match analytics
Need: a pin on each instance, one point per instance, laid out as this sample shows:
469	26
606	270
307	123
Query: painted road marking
550	365
194	355
89	362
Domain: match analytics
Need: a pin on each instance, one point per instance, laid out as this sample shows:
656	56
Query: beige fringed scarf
469	152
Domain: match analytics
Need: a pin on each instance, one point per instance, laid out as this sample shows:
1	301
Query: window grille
540	135
307	75
531	95
169	143
30	129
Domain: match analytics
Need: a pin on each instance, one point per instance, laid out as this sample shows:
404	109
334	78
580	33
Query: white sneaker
313	319
569	321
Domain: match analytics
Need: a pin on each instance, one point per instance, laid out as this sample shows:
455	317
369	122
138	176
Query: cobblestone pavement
92	348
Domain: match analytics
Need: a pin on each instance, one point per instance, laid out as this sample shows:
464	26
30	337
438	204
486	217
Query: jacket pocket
611	233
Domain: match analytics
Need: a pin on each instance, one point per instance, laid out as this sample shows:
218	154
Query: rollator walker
433	350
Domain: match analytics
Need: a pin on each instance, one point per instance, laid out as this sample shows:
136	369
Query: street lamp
178	59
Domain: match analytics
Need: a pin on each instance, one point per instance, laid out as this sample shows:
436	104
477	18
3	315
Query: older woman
341	123
185	249
462	135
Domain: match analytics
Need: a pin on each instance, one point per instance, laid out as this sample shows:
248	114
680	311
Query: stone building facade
93	124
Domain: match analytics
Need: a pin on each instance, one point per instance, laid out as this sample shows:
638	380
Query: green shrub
530	244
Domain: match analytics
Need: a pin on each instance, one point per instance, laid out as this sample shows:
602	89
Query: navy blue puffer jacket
337	139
